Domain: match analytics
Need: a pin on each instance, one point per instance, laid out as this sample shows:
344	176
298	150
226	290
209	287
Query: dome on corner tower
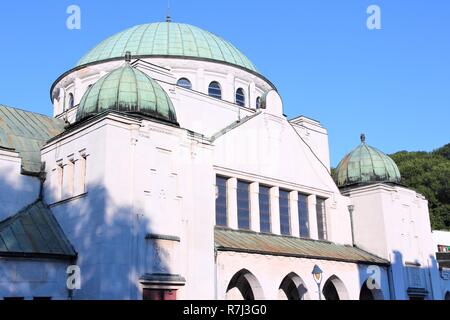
127	89
366	165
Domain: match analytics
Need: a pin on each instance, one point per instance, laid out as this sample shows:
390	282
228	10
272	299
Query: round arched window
214	90
240	97
71	101
184	83
258	102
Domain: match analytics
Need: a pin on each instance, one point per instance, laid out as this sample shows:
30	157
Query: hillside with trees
429	174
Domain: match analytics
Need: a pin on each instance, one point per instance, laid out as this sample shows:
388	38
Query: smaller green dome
366	164
127	89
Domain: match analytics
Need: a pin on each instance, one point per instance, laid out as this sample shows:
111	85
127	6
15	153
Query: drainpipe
215	273
350	210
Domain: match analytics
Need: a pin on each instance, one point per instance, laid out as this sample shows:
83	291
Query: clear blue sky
393	84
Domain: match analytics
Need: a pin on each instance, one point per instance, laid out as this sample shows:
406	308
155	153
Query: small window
71	101
184	83
258	102
214	90
221	201
240	97
285	227
321	219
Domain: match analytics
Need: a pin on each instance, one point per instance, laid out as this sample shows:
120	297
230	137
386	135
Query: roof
262	243
34	232
168	39
26	133
366	164
127	89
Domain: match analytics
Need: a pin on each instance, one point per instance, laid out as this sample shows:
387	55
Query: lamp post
317	275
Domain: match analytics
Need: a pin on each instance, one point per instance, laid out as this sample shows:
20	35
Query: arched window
240	97
258	102
70	103
214	90
184	83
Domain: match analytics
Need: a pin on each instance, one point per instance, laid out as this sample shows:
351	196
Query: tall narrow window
214	90
285	227
240	97
258	102
81	163
321	219
243	204
303	215
60	181
221	201
264	209
71	101
69	169
184	83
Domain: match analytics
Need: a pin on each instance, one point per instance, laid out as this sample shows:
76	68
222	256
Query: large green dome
168	39
366	164
127	89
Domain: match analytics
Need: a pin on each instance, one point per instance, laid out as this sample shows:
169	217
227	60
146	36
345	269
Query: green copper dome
168	39
127	89
366	164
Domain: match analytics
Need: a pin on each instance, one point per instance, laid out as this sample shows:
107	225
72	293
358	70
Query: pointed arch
244	285
334	289
292	287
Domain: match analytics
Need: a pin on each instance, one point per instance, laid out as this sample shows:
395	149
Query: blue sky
392	84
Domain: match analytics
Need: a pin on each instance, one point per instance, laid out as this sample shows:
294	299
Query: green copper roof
127	89
270	244
26	133
34	232
168	39
366	164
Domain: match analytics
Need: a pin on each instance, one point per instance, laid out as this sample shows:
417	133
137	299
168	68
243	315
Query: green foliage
429	174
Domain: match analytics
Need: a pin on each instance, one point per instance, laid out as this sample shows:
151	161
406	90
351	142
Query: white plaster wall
30	278
393	222
16	190
267	149
271	270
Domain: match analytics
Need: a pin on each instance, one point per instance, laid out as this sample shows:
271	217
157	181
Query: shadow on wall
407	280
113	252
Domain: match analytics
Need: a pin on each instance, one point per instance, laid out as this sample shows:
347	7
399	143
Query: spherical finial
363	138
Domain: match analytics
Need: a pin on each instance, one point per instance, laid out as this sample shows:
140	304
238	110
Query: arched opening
258	102
70	103
244	286
370	294
240	97
292	288
184	83
214	90
334	289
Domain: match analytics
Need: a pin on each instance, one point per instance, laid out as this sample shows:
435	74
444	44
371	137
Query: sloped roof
27	132
34	232
259	243
168	39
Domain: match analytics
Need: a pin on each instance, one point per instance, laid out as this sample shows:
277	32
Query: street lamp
317	275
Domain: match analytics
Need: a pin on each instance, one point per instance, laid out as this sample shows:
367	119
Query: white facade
137	198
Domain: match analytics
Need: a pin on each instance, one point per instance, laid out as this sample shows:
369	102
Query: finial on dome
128	56
363	138
168	18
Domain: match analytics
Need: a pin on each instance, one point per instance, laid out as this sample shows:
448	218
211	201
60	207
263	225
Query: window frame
241	93
219	88
189	87
282	215
241	210
322	231
225	206
269	213
305	217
